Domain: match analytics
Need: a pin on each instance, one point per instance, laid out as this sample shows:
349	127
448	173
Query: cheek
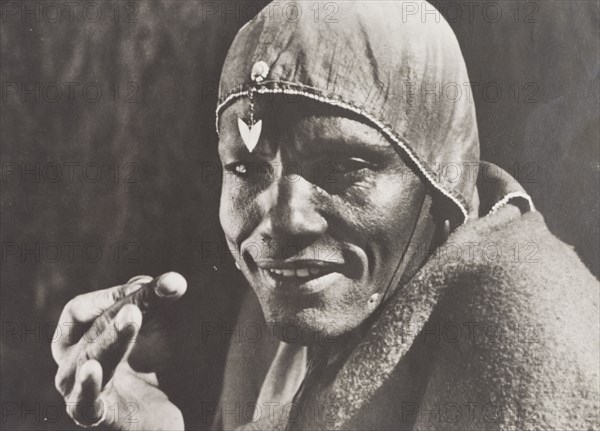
383	210
385	219
398	203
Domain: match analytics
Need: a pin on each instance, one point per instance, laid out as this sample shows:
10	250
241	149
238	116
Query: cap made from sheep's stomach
404	72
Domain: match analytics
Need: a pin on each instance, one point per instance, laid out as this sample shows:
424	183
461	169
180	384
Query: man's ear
446	217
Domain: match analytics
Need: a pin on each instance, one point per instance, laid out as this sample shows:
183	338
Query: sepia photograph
300	215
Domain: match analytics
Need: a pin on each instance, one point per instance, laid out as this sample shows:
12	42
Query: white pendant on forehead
250	133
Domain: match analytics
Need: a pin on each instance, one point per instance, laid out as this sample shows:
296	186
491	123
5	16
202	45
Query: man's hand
107	366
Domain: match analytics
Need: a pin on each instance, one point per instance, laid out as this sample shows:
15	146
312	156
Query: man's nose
291	212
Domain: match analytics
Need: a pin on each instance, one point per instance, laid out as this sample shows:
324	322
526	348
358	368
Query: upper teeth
299	272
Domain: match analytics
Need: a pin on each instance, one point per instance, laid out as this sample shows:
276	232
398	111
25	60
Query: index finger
147	296
167	287
85	308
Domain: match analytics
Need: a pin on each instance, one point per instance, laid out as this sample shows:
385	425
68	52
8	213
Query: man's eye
247	169
335	176
240	168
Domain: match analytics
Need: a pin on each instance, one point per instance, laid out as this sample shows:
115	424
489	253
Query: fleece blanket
500	332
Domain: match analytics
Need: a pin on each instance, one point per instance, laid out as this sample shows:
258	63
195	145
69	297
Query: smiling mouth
301	270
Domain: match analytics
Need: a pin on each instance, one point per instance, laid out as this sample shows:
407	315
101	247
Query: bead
260	70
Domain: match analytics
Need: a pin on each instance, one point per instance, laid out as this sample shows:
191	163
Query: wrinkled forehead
306	125
281	111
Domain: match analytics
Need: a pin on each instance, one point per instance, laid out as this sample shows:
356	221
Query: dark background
151	135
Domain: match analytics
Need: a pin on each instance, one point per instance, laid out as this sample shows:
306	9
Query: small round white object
260	70
171	284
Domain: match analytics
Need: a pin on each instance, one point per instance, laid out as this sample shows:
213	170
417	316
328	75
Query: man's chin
306	327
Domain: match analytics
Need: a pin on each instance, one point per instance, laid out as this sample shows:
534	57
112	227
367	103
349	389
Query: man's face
318	215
